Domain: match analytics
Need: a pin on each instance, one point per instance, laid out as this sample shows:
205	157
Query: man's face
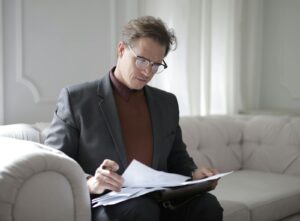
127	71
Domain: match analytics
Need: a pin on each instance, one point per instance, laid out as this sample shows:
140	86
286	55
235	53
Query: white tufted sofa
38	183
264	152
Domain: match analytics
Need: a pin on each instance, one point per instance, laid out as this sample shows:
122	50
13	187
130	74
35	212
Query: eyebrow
138	56
149	60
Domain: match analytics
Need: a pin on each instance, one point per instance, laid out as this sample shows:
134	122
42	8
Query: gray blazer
86	127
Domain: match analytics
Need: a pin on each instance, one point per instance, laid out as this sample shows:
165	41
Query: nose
147	71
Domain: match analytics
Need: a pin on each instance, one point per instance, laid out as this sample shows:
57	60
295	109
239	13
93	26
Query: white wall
251	54
50	44
280	77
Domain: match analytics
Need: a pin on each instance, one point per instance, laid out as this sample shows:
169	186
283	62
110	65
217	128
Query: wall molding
251	54
20	75
1	67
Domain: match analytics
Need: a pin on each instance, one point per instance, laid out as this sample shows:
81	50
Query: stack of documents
140	179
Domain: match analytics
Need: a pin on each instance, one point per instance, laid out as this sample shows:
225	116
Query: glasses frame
149	62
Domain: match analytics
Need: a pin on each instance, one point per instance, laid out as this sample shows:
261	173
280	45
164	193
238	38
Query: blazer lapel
156	125
109	110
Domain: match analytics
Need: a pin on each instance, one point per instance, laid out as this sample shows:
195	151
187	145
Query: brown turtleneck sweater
135	122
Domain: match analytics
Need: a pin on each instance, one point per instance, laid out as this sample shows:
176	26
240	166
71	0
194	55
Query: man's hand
105	178
203	172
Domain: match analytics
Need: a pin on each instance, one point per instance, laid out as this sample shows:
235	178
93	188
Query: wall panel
51	44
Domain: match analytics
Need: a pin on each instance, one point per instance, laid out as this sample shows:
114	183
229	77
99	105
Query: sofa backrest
32	132
265	143
21	132
214	141
272	144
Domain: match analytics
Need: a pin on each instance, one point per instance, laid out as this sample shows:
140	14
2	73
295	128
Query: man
107	123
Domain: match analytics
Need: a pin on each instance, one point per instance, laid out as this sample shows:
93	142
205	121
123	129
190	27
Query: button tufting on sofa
264	153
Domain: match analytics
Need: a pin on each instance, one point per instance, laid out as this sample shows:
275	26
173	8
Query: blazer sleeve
63	133
179	160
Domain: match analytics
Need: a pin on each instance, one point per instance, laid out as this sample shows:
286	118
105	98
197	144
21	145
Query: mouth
142	79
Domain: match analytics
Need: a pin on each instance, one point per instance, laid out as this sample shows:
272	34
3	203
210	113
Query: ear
121	48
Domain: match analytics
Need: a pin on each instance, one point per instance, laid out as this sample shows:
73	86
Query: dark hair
148	26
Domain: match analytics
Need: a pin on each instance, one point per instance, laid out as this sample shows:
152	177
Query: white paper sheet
125	194
140	175
141	179
215	177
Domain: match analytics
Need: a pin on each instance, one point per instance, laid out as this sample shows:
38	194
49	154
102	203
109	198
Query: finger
111	184
104	181
198	174
207	172
111	187
98	187
106	176
107	182
109	165
214	171
112	175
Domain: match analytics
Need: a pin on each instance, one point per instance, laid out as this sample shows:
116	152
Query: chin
138	85
138	88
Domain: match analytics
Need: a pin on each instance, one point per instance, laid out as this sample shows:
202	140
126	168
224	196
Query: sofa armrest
40	183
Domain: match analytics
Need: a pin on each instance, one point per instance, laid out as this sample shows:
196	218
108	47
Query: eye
142	61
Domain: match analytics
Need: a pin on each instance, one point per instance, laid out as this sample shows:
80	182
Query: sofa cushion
265	194
234	211
295	217
213	141
272	144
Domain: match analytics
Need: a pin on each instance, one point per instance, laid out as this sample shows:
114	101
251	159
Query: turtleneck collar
120	88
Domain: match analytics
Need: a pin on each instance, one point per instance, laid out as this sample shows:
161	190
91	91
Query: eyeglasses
143	63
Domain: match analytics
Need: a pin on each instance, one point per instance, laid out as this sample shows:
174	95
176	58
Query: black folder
174	197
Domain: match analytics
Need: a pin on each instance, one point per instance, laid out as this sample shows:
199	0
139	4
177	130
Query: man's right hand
105	178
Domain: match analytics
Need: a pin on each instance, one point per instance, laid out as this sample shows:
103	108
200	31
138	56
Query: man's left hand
204	172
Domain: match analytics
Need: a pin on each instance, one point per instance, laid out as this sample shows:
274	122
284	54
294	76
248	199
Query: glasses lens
156	69
141	63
